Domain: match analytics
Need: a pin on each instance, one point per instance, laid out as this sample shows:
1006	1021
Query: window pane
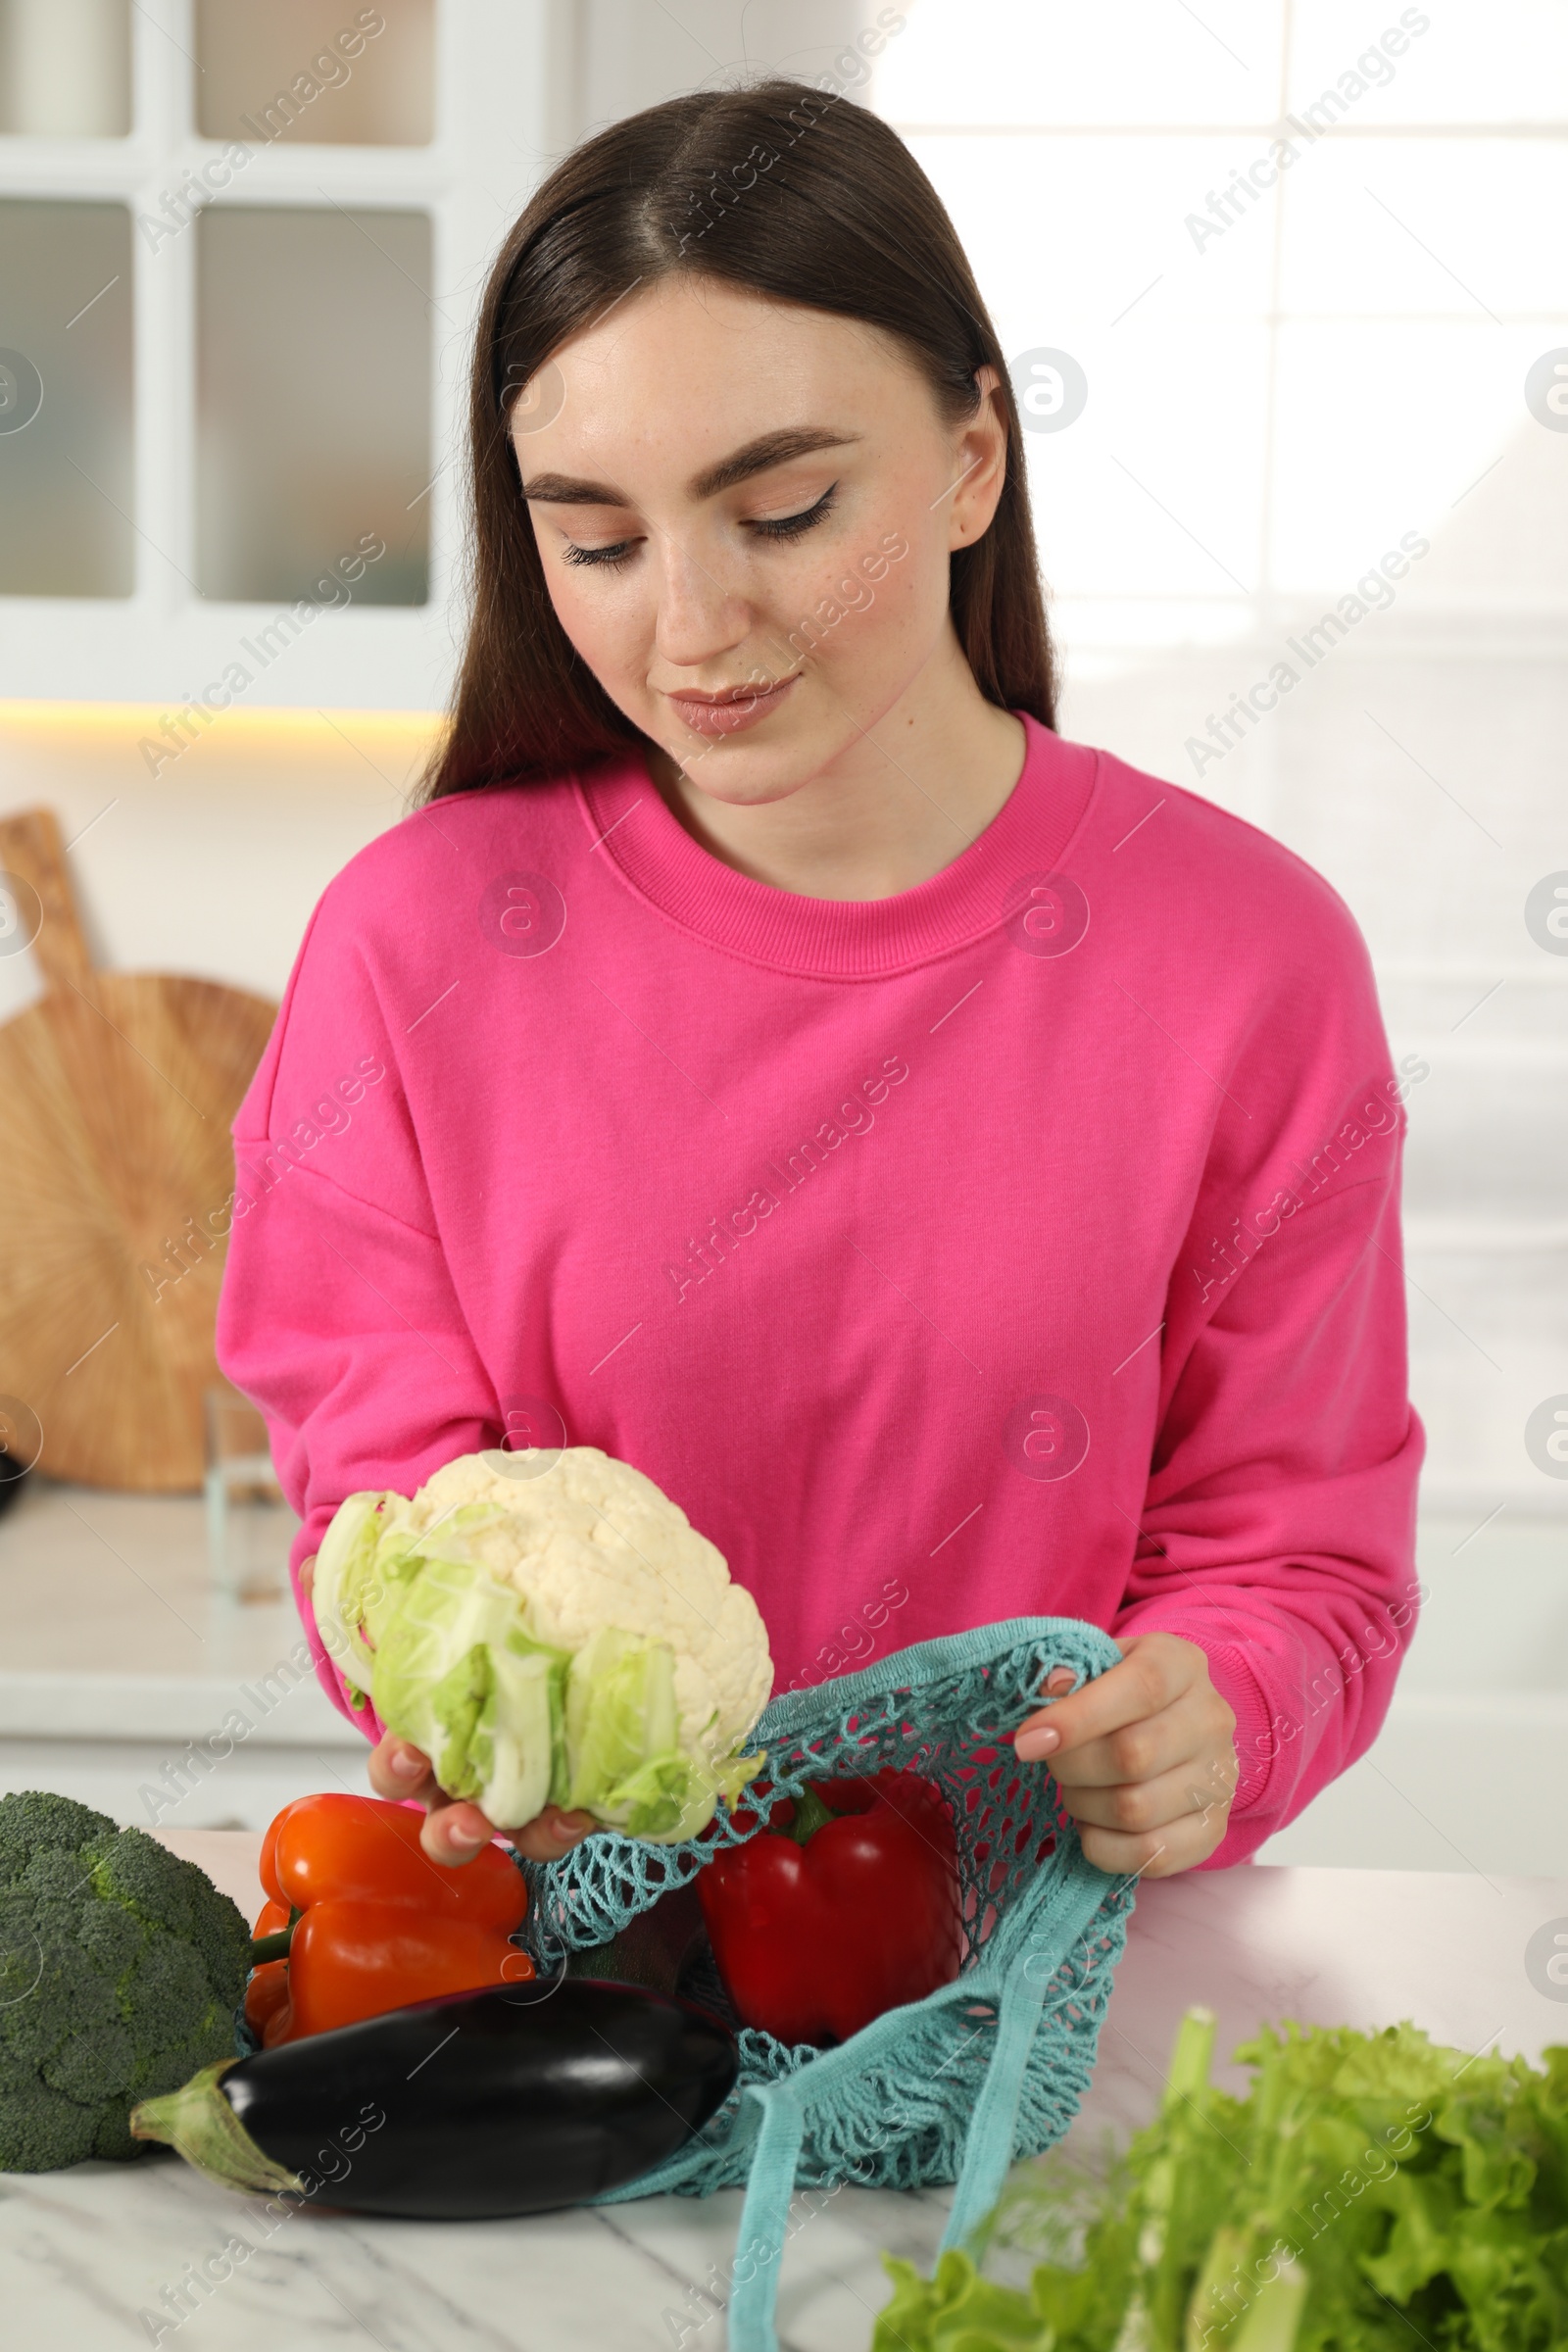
65	69
1470	60
312	401
65	497
1155	488
1022	61
1391	228
313	70
1384	427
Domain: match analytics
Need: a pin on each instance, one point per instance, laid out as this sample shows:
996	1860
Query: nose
701	615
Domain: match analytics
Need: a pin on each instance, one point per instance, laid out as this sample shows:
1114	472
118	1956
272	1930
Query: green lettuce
1372	2192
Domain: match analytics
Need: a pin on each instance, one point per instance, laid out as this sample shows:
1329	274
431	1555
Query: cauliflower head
555	1633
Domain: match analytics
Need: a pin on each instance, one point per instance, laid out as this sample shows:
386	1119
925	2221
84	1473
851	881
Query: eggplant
474	2106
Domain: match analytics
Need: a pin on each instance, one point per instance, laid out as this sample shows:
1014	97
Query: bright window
1305	265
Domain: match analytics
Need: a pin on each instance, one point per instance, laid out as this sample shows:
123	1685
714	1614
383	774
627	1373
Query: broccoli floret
59	1875
171	2068
112	2142
135	1871
37	1821
49	1988
110	1938
121	1968
164	1992
92	2064
41	2130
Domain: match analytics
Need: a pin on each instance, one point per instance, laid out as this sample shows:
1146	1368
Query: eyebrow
769	450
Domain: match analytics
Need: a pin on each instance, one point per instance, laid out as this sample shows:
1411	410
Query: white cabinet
231	420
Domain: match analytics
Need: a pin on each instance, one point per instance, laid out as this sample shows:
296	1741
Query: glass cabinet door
65	69
312	404
241	247
67	400
316	70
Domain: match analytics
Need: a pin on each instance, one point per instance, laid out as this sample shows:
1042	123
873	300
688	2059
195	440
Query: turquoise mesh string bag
984	2070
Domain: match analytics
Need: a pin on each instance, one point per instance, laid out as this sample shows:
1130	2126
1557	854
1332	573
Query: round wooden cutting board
119	1089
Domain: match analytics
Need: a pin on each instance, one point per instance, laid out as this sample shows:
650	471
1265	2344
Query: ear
980	465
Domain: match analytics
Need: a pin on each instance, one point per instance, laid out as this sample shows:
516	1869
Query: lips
730	713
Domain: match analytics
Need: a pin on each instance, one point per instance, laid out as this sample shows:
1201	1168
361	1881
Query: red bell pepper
360	1921
847	1904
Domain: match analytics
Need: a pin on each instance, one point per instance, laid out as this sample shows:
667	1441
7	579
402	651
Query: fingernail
406	1764
457	1834
1030	1746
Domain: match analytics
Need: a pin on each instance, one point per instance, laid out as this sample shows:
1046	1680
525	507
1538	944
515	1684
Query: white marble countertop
84	2253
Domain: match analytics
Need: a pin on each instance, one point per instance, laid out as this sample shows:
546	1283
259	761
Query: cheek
912	606
864	631
600	615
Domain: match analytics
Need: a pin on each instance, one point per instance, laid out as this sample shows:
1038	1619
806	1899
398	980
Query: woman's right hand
454	1831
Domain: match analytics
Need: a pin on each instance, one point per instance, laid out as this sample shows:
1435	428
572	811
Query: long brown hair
797	194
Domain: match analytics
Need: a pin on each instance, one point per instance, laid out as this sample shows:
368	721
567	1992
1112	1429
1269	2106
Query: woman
961	1172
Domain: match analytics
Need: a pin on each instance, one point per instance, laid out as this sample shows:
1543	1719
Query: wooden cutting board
118	1090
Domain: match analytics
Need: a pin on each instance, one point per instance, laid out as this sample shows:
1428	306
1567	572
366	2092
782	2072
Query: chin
749	771
749	783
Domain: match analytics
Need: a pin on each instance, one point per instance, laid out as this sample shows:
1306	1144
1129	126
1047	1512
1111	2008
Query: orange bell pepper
268	1989
351	1959
363	1846
370	1922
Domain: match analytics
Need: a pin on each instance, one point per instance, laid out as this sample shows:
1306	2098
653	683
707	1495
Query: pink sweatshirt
1026	1244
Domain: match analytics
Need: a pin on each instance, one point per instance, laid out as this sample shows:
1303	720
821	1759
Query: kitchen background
1284	280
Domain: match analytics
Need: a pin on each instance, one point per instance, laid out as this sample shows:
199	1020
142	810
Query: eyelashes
615	556
795	527
785	527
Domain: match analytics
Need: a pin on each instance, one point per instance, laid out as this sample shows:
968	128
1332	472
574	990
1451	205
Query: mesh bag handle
1068	1902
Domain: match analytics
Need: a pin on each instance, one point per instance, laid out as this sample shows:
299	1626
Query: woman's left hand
1145	1756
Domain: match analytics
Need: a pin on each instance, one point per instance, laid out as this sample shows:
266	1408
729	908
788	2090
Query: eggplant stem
198	2121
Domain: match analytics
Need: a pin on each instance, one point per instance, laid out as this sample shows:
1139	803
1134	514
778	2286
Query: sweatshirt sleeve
1278	1530
338	1318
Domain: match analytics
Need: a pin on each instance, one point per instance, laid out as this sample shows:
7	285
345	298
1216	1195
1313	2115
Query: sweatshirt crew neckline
843	939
